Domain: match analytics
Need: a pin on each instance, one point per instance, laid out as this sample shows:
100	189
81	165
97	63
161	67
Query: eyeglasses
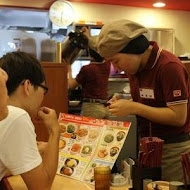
45	88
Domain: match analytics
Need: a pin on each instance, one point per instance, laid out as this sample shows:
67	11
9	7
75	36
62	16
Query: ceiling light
159	4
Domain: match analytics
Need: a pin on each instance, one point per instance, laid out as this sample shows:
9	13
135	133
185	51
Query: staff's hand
49	118
86	32
69	69
122	107
113	99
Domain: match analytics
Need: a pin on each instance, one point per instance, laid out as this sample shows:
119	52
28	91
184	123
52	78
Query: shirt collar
153	55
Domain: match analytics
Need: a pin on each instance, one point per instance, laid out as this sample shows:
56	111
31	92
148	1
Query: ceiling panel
170	4
45	4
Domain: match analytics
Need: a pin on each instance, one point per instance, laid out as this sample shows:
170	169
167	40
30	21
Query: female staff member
159	85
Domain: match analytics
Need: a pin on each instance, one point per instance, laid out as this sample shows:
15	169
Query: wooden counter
60	183
57	96
56	81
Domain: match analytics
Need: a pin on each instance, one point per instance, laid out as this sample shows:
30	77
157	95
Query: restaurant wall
157	18
7	36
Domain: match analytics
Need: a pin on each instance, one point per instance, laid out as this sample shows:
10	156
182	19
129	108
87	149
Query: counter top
60	183
187	61
112	79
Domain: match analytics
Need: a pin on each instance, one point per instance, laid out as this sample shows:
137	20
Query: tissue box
138	174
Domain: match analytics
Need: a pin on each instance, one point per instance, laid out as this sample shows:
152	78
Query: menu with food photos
88	142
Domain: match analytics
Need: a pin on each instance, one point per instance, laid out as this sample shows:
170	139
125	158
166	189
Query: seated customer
94	81
19	151
3	95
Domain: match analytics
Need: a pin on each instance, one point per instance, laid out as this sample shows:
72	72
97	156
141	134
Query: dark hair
136	46
95	55
21	66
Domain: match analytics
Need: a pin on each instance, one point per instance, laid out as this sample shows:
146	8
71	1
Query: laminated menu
88	142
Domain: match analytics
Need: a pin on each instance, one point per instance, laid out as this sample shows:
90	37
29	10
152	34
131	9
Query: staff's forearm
166	116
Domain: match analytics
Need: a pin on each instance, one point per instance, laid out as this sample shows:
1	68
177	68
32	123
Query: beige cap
115	36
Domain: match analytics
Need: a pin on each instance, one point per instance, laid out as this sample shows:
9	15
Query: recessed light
159	4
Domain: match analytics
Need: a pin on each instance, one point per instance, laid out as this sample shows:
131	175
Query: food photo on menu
86	143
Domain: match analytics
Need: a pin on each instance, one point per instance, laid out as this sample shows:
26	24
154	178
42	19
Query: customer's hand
49	118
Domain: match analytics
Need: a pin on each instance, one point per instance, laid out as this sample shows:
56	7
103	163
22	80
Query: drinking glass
102	176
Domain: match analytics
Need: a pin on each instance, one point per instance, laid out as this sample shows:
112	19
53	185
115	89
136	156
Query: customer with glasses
3	95
18	146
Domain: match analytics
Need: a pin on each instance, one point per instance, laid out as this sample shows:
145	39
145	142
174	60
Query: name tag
146	93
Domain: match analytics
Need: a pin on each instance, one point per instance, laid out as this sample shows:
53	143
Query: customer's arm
41	147
41	177
71	81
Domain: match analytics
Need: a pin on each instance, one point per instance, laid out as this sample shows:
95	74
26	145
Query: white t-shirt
18	148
